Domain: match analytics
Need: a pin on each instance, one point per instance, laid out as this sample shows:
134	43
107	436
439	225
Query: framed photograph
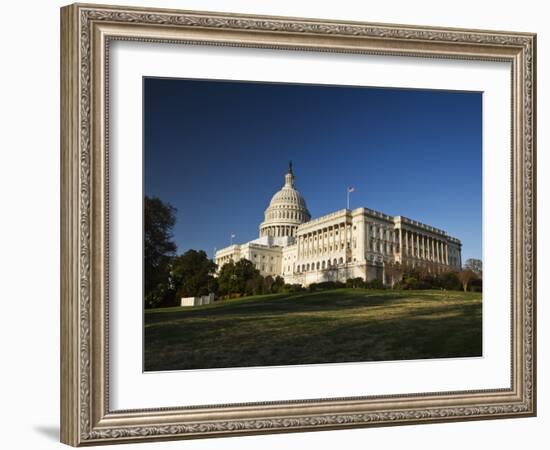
276	224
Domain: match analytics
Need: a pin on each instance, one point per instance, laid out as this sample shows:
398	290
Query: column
401	244
424	247
446	253
318	246
432	258
407	243
359	252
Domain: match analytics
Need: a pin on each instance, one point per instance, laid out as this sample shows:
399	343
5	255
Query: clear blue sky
218	151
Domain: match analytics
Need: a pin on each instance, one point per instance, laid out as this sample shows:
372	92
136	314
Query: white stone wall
197	301
268	260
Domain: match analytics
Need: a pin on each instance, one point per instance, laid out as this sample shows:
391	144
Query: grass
343	325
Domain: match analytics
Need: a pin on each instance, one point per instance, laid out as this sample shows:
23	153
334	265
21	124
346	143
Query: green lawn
342	325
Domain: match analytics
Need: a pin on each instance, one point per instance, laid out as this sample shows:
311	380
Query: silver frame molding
86	31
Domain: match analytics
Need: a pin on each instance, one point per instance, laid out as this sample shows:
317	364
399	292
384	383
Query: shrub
374	284
355	283
476	285
449	281
326	285
291	288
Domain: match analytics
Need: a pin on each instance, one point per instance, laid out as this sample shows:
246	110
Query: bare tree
466	277
394	271
475	265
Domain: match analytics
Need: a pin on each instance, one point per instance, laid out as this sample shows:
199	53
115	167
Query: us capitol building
341	245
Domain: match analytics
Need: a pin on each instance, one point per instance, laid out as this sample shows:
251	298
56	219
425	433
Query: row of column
285	214
424	246
315	242
279	230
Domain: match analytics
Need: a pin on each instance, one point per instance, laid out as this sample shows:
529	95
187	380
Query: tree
226	279
235	278
255	285
268	283
466	277
158	220
278	284
244	271
475	265
449	280
193	274
394	272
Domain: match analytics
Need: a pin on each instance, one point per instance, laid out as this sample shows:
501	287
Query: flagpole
349	190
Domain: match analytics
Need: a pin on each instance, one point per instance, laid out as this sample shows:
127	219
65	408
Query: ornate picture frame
86	34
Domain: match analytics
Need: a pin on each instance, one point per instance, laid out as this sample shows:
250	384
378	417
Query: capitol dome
286	210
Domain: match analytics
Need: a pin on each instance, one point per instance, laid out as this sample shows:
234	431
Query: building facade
341	245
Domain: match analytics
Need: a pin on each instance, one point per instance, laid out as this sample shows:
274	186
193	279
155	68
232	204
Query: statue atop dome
289	177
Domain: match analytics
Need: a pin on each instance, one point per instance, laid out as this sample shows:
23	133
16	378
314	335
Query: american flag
233	236
351	189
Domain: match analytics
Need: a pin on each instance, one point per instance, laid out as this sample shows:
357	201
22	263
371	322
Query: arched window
323	265
317	265
341	260
334	262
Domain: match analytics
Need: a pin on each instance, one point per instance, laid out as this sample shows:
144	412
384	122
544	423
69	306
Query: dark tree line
430	277
169	277
158	250
242	278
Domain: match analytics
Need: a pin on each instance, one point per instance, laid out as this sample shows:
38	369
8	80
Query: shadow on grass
295	303
310	331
